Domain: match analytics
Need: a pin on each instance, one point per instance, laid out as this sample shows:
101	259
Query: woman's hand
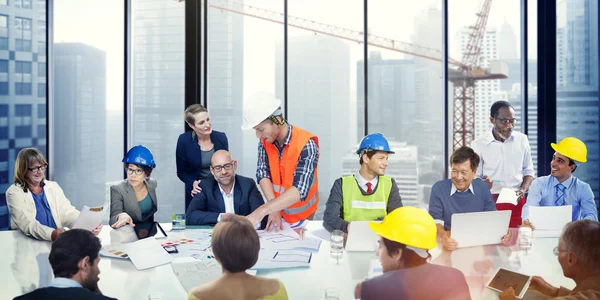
196	188
123	219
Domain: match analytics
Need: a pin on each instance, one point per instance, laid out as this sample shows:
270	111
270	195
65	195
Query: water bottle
525	238
337	245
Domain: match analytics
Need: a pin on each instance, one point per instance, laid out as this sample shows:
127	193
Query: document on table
90	217
192	272
147	253
549	220
507	196
282	259
287	239
321	233
114	252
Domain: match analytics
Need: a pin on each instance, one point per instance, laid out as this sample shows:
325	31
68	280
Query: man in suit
225	193
74	258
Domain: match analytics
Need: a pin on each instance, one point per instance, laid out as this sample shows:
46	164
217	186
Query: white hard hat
259	107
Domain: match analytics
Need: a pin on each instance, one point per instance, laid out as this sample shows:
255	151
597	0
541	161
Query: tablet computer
504	279
480	228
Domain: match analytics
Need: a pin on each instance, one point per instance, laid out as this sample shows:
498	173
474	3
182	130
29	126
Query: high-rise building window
41	69
3	77
22	78
23	110
22	34
23	4
41	92
3	2
41	110
23	131
3	32
23	88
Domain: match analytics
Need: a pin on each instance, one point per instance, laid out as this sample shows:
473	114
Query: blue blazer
208	204
189	157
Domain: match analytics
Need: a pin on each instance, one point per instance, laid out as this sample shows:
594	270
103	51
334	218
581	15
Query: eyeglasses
131	171
557	251
41	168
227	167
506	121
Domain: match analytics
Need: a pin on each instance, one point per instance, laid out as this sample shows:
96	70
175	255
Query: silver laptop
361	237
480	228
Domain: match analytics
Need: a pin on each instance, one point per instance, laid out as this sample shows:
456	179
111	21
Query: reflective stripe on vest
360	207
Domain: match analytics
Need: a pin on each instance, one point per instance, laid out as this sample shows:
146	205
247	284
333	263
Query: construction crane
463	75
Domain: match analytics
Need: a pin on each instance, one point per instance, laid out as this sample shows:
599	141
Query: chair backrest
4	218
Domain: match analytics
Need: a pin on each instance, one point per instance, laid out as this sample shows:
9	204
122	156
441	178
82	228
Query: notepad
503	279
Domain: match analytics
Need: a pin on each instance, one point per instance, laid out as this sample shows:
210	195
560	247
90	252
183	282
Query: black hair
463	154
69	248
497	106
409	258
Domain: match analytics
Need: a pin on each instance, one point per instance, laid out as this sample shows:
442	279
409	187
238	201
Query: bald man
224	192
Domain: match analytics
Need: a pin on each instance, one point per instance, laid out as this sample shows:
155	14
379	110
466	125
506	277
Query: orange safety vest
282	174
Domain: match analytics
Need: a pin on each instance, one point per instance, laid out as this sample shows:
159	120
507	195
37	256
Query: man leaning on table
460	194
74	258
561	187
579	259
367	195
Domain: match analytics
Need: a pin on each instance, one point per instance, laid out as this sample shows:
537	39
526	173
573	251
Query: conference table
25	267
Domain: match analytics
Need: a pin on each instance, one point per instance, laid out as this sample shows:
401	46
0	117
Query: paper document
282	259
147	253
480	228
504	279
287	239
195	272
508	196
361	237
90	217
122	235
113	252
321	233
549	220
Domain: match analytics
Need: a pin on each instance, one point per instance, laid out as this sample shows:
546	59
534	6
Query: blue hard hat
140	155
374	141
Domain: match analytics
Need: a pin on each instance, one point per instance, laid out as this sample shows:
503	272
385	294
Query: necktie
560	194
369	188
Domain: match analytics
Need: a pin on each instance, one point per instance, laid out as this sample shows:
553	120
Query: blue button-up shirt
43	213
577	193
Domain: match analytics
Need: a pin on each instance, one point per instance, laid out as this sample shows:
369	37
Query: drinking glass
337	245
178	222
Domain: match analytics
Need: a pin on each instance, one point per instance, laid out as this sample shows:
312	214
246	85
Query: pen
495	180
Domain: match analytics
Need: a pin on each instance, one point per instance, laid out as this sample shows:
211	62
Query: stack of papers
549	221
282	259
287	239
90	217
193	272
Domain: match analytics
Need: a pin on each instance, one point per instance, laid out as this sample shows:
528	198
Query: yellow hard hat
572	148
408	225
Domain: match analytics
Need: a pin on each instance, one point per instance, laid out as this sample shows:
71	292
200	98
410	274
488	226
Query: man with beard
224	192
367	195
561	187
505	159
74	259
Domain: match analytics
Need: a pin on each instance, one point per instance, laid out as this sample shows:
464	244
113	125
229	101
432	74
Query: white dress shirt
362	183
228	199
505	163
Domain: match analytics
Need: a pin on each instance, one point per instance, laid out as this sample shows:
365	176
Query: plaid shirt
305	169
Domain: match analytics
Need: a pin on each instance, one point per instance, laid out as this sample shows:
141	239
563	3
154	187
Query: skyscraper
79	134
22	84
319	99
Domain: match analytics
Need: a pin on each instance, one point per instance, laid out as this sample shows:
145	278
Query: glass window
323	83
405	92
41	90
3	110
88	99
22	131
4	136
577	102
532	96
42	69
23	110
3	2
3	66
158	55
3	26
23	88
41	110
4	88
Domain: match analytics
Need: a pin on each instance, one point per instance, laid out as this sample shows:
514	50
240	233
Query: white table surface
24	267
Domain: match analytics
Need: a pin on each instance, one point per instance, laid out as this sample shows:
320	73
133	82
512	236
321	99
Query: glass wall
22	74
323	82
157	62
532	97
405	100
86	117
577	82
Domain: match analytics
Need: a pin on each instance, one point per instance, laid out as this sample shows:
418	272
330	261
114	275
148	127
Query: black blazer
53	293
208	204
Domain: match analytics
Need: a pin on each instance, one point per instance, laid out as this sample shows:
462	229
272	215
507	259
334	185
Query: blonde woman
235	245
38	207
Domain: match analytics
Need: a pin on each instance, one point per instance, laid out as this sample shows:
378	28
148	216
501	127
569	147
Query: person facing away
579	258
74	258
367	195
505	159
460	194
235	245
561	187
225	192
405	237
195	149
38	207
287	164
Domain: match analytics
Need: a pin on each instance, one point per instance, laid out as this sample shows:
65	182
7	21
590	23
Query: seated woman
133	201
406	235
38	207
235	245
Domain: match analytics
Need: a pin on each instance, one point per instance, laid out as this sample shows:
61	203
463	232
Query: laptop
361	238
480	228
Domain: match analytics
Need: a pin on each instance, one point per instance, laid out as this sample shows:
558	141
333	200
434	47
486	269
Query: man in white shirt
505	159
223	193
